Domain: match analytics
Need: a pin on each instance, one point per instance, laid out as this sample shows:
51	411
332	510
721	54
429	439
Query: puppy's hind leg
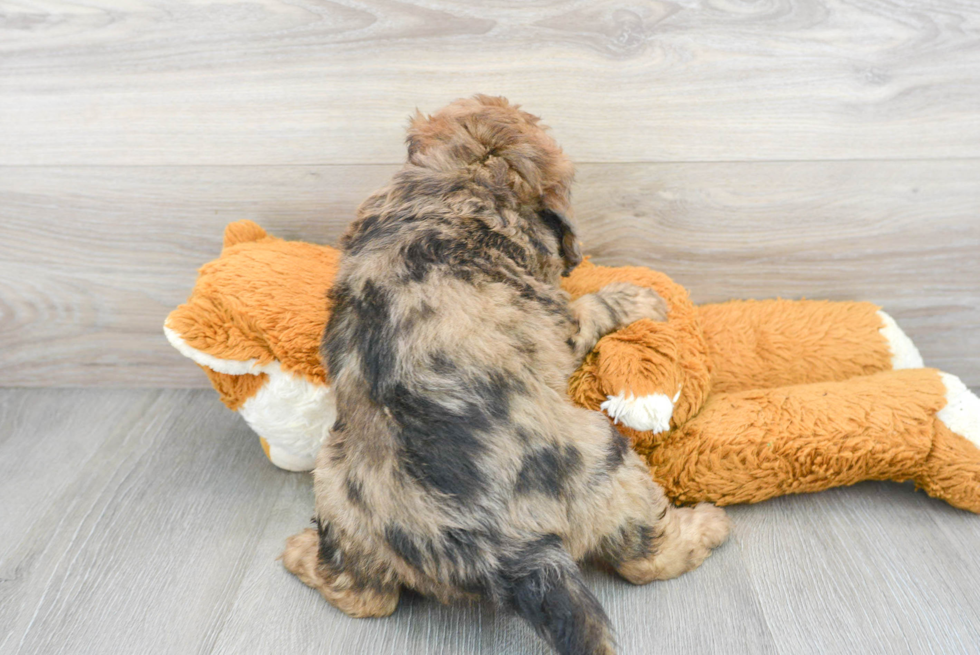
544	586
684	539
650	539
303	558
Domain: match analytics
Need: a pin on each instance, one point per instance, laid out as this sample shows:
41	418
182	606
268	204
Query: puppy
458	466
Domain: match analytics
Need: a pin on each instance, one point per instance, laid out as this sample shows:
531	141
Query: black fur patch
370	229
373	336
328	552
430	248
464	253
618	447
523	435
364	322
547	470
440	445
565	235
337	449
404	546
355	491
632	541
467	550
610	310
460	546
486	239
442	364
496	391
339	325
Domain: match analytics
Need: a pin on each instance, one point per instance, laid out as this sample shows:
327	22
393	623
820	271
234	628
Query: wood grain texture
144	546
909	559
147	521
93	258
274	82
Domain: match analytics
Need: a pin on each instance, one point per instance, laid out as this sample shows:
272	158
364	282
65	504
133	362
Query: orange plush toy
730	403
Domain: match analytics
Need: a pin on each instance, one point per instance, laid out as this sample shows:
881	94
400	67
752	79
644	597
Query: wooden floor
149	521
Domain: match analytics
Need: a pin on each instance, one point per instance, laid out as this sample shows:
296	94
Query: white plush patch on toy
646	413
962	411
904	353
292	415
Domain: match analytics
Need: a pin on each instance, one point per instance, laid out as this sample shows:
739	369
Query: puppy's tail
544	586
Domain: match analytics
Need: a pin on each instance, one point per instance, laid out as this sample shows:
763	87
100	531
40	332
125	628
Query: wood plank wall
818	148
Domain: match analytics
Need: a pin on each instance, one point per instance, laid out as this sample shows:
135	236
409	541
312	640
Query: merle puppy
458	466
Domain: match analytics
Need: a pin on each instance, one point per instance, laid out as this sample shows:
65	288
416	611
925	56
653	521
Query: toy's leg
750	446
301	558
641	350
952	469
772	343
635	378
648	376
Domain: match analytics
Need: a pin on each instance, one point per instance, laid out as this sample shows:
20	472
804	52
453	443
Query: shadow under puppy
458	466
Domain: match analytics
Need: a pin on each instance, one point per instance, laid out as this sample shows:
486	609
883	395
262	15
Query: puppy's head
505	148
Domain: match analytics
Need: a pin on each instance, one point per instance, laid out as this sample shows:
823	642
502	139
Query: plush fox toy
730	403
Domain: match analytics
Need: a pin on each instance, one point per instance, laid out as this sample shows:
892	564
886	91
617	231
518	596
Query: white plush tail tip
962	411
904	353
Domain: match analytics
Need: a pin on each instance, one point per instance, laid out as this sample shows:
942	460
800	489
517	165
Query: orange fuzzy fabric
770	343
773	397
263	299
747	446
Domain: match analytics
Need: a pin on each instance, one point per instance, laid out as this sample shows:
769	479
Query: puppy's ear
568	246
416	137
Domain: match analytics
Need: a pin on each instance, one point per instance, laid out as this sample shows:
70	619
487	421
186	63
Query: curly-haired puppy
458	466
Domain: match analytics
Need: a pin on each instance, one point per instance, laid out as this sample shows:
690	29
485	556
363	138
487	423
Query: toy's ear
568	246
243	232
415	140
208	332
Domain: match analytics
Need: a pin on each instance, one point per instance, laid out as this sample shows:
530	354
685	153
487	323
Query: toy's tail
544	586
952	469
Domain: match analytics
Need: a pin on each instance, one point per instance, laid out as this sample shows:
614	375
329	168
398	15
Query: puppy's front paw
633	302
649	304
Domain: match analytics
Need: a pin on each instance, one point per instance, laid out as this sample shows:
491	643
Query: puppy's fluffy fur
458	466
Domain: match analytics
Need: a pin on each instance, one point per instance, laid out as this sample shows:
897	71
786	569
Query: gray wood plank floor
149	521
